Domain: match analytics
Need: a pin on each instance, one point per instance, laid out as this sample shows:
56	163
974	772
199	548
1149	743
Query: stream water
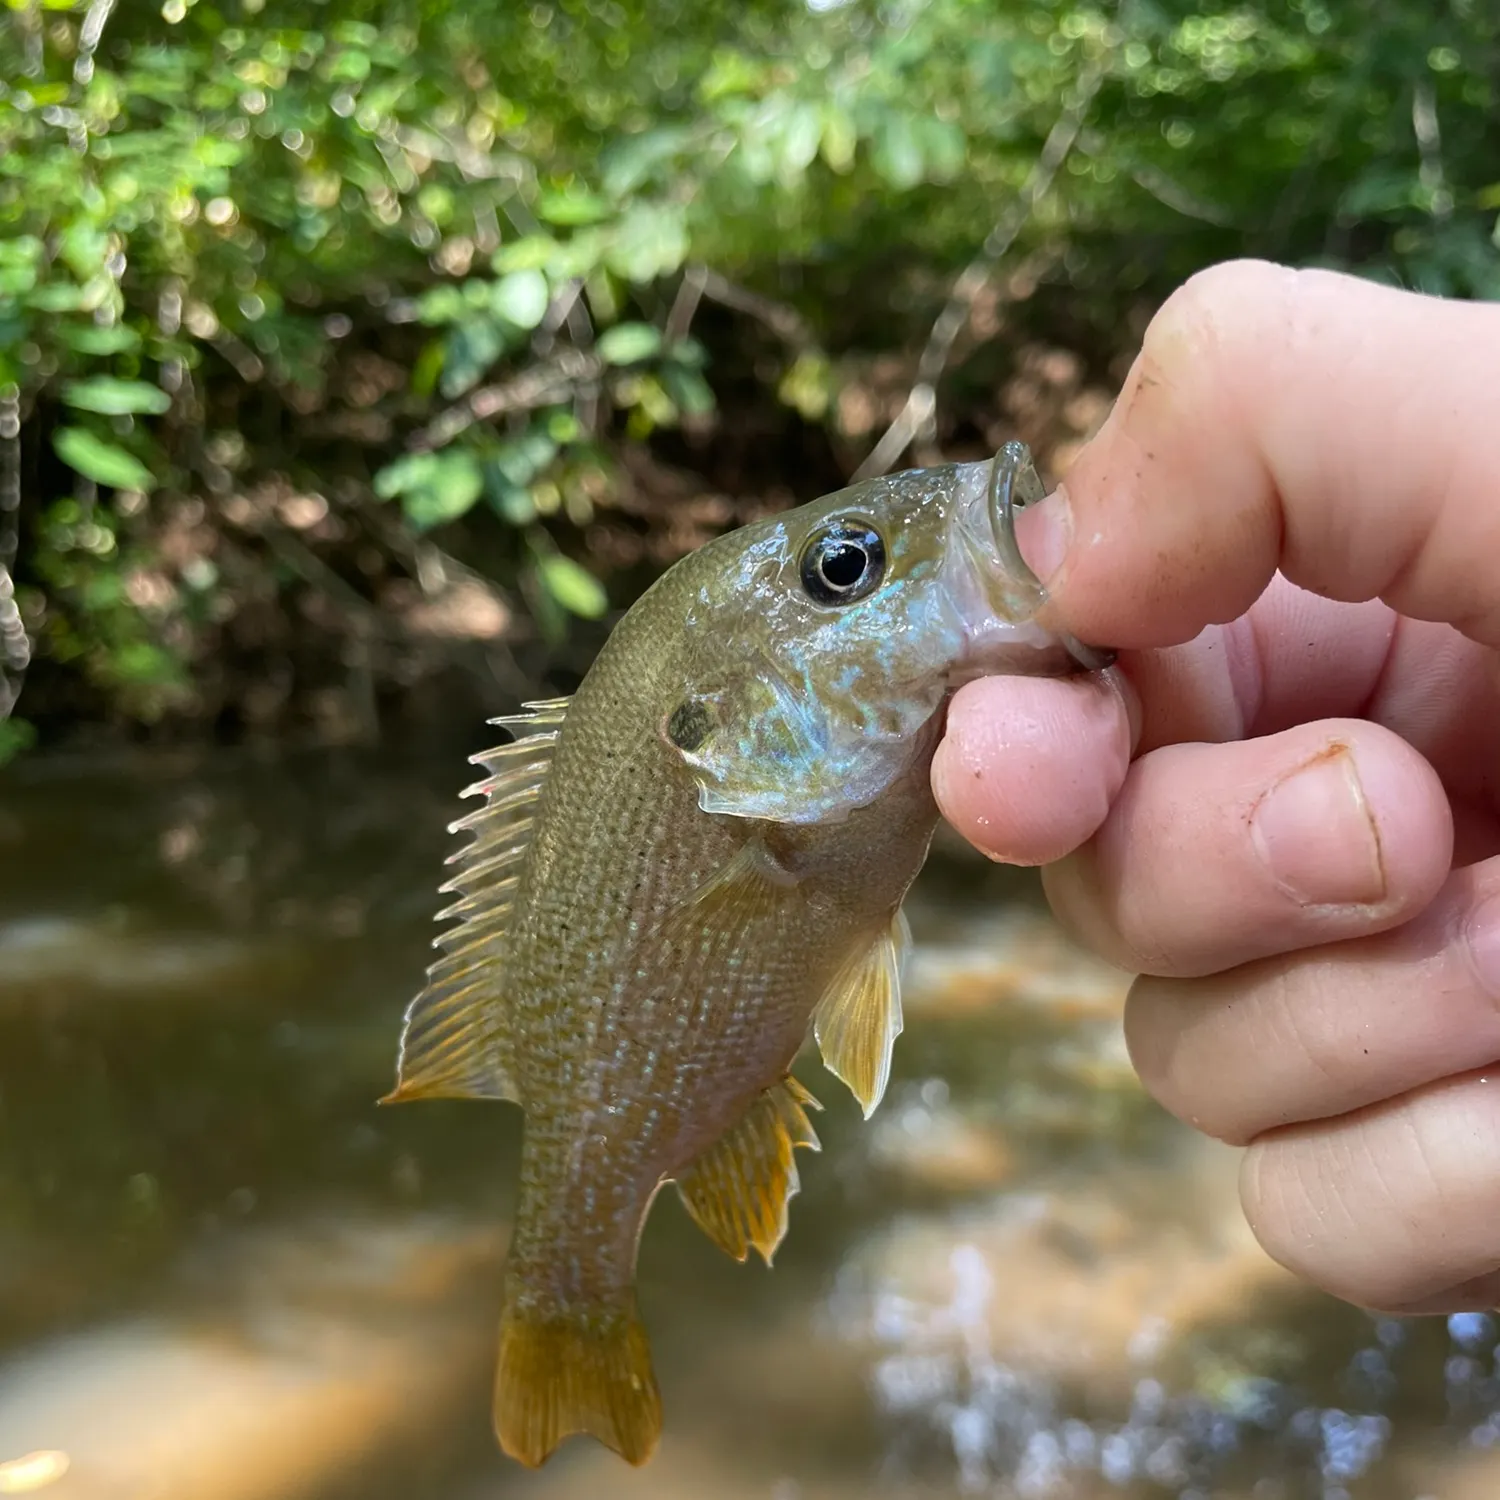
225	1274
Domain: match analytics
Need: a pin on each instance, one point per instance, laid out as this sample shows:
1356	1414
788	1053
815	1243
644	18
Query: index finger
1341	431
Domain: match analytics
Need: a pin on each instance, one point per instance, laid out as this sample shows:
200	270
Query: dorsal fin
456	1041
738	1190
859	1017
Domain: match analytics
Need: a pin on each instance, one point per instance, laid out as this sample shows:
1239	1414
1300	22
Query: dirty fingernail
1314	832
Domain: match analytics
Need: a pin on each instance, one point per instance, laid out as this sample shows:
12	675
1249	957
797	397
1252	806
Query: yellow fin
859	1017
751	888
587	1373
455	1042
739	1189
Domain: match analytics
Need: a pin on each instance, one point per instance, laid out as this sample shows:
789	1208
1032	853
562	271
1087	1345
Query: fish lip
1014	483
998	600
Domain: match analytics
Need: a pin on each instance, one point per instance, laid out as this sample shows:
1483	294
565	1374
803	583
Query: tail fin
590	1372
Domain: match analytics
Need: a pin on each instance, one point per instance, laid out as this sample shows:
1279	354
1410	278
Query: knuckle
1310	1221
1073	890
1169	1057
1304	1035
1378	1213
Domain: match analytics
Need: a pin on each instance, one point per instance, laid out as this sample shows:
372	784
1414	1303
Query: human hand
1282	808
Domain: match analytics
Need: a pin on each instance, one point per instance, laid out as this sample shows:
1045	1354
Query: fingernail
1314	831
1043	532
1482	937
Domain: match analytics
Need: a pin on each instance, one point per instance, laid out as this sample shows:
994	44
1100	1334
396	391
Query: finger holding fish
1029	767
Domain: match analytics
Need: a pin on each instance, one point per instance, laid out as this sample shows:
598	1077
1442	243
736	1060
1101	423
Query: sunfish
684	866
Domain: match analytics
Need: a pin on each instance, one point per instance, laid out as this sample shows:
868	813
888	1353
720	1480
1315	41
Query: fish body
678	872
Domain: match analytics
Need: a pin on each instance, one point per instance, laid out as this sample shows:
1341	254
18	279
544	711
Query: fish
686	867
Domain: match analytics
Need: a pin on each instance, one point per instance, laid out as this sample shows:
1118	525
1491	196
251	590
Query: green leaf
521	459
425	372
839	138
898	154
16	736
573	208
116	398
691	393
808	386
95	339
942	146
471	348
629	343
1383	189
349	67
22	249
649	241
83	248
800	134
521	298
434	487
513	503
575	588
443	304
532	252
104	463
632	160
60	296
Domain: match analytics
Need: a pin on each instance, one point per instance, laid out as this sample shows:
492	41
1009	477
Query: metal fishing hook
1014	484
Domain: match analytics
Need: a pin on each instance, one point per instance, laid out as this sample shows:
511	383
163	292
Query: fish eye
842	562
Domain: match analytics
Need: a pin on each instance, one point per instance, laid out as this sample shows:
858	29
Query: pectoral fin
739	1189
749	889
859	1017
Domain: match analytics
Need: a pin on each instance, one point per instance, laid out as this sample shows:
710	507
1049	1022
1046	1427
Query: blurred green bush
313	312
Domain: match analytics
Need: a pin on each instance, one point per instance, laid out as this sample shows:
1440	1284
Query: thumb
1342	432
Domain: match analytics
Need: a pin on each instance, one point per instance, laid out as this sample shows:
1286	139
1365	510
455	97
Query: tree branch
539	386
685	304
916	417
784	321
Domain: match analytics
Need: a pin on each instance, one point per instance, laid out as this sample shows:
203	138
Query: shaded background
359	363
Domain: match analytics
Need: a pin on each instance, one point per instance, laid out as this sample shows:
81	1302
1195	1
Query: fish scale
679	872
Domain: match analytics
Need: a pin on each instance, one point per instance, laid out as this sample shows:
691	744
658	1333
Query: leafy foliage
442	266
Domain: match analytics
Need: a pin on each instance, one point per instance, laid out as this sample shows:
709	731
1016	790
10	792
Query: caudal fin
587	1373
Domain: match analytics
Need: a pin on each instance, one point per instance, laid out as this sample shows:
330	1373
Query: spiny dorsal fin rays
739	1190
859	1017
456	1041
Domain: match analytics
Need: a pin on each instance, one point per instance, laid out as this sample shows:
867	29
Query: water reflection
227	1274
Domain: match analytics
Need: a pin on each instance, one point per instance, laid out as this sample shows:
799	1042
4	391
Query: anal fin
859	1017
739	1189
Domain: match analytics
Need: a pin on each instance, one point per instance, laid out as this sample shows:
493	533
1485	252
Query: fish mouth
1014	484
998	598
